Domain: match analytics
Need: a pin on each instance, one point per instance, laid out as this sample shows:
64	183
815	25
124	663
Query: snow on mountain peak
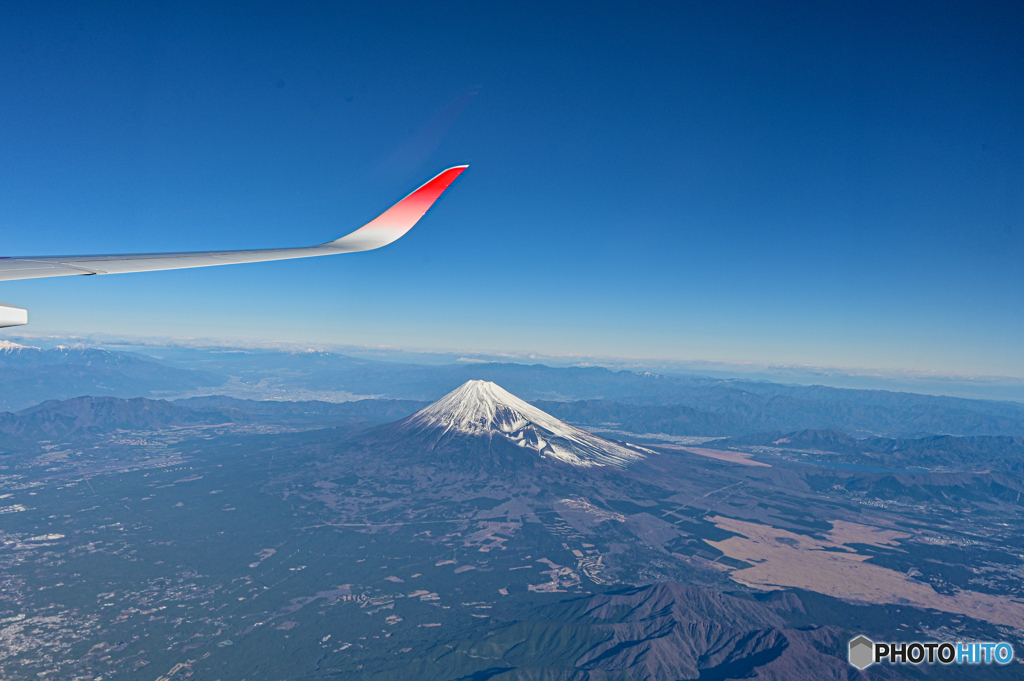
8	347
485	408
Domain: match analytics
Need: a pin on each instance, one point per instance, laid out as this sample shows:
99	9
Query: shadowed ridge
673	631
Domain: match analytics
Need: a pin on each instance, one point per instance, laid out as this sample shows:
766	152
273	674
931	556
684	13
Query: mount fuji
485	409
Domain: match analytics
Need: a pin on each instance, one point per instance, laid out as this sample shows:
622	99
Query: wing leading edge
391	225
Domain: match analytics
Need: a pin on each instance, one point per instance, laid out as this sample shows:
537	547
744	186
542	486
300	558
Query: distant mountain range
933	451
480	406
536	427
693	405
83	418
624	400
30	375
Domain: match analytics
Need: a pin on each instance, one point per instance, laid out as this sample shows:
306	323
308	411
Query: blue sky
837	185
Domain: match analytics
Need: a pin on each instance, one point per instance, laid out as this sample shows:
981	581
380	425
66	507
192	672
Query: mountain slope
747	406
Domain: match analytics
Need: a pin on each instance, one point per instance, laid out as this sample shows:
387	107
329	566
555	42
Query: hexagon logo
862	652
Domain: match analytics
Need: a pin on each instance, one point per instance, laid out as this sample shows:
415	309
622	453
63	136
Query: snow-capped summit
7	347
485	408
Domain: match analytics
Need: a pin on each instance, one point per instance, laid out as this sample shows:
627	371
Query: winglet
393	223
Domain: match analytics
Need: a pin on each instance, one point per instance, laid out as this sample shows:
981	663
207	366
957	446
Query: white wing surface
388	227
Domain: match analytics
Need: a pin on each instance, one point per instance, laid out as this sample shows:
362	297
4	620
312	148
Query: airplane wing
386	228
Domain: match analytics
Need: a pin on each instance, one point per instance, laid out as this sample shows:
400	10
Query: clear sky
834	183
